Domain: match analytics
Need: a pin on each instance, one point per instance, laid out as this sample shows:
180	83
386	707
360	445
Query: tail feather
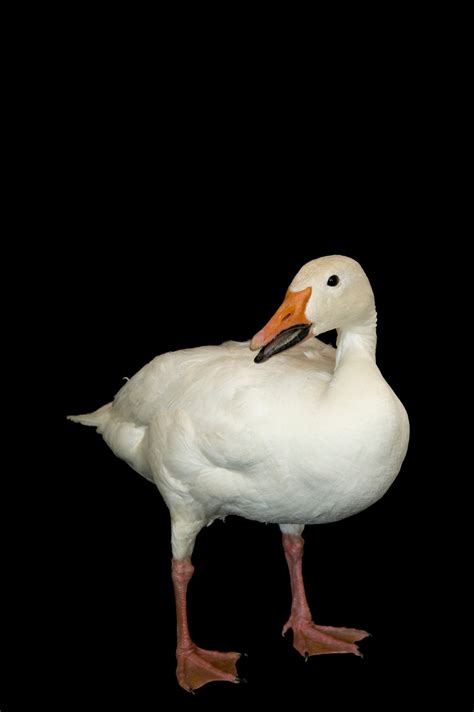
97	418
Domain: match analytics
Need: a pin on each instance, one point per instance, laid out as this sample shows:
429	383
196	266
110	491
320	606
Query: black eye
333	280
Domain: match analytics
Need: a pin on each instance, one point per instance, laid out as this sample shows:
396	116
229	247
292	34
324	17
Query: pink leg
196	666
308	638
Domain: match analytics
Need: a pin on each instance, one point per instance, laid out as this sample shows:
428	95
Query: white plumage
312	435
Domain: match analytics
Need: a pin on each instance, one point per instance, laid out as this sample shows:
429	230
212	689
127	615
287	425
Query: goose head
328	293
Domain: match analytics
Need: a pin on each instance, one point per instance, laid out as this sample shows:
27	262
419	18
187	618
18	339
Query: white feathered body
288	441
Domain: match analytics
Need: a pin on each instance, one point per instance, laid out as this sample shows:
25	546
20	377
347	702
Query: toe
349	635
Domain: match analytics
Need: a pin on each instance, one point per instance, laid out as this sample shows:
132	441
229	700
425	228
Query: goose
302	434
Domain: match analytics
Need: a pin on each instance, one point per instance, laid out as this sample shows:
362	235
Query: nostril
287	316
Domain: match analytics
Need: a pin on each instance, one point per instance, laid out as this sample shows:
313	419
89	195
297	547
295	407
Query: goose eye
333	280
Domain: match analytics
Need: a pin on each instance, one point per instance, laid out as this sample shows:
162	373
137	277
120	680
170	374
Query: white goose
314	435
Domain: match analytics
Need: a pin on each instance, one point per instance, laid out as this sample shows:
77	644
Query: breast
315	464
358	451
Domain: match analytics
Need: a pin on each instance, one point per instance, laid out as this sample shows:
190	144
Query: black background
176	220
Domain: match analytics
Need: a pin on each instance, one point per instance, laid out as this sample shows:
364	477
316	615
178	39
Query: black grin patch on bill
282	341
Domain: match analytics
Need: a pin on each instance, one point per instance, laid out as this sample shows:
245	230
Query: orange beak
288	326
